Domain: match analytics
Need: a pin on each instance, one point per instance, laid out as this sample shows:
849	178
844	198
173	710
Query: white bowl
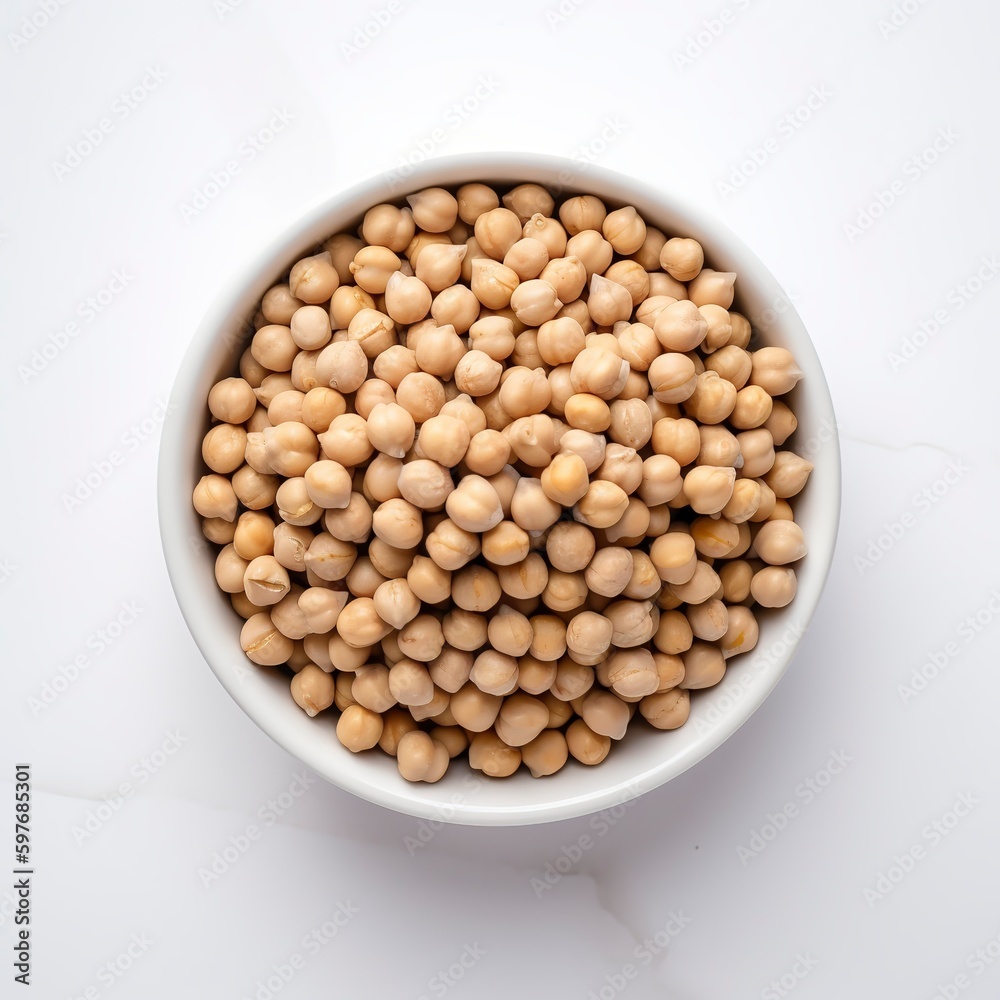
646	758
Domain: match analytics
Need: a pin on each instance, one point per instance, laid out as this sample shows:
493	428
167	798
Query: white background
549	83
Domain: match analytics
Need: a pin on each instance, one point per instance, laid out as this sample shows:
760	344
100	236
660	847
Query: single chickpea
588	637
624	230
493	335
605	714
585	211
476	373
232	400
360	625
505	544
312	689
313	279
527	258
351	523
548	642
474	200
525	579
600	372
435	210
587	412
609	572
742	634
675	557
279	304
395	724
752	409
230	569
527	199
781	422
287	406
661	480
346	303
224	446
532	439
407	298
263	643
608	301
632	277
714	287
589	446
731	362
704	666
703	584
630	530
602	505
320	406
631	423
440	266
521	719
534	302
788	474
548	231
779	542
585	745
475	588
570	546
680	326
634	622
265	580
489	754
713	399
774	370
568	276
767	502
497	231
666	709
388	226
428	581
251	370
638	345
373	330
592	250
709	621
545	754
565	479
450	546
218	530
475	710
564	591
421	758
682	258
524	391
214	497
673	634
757	451
488	452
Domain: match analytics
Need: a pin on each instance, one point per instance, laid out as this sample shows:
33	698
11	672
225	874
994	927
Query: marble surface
842	842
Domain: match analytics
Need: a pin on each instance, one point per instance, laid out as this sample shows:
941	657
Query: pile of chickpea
499	473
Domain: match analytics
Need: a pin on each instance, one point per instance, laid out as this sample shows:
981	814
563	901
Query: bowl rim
258	269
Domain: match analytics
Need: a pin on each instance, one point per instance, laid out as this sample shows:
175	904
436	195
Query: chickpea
600	372
407	298
493	335
661	480
673	633
351	523
388	226
450	546
773	586
609	572
534	302
525	579
631	423
714	287
675	557
475	588
588	637
608	301
489	754
313	279
666	709
263	643
435	210
585	745
214	497
312	689
477	373
488	453
602	505
526	200
774	370
703	584
788	474
682	258
564	591
373	330
752	409
320	406
505	544
232	400
421	395
781	422
527	258
425	484
704	666
254	535
545	754
474	200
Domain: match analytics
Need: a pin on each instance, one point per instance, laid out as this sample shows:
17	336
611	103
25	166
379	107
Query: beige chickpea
340	655
592	250
731	362
230	568
263	643
373	330
407	298
509	632
703	584
608	301
524	391
313	279
720	328
435	210
713	399
588	637
360	625
742	634
254	535
271	386
527	258
622	466
370	687
708	488
532	439
388	226
788	474
587	412
475	199
602	505
719	446
425	484
420	242
735	575
638	345
476	373
456	306
781	422
351	523
709	621
599	372
439	350
389	561
395	724
675	557
232	400
534	302
395	603
548	641
273	347
419	757
450	546
312	689
669	671
661	480
564	591
494	672
682	258
421	395
303	374
346	303
489	754
704	666
475	588
474	504
329	558
589	446
440	266
570	546
530	506
526	579
224	446
521	719
560	340
568	276
505	544
328	484
673	633
585	745
428	581
497	231
632	277
421	638
214	497
535	676
372	267
548	231
573	680
493	283
488	452
494	336
279	304
286	406
774	370
561	388
565	479
609	572
251	370
265	580
347	441
631	528
648	255
545	754
321	607
527	199
359	728
585	211
752	408
624	230
342	365
631	423
634	622
757	451
363	579
715	537
394	364
715	287
320	406
666	709
390	429
779	542
399	523
680	326
744	502
766	502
